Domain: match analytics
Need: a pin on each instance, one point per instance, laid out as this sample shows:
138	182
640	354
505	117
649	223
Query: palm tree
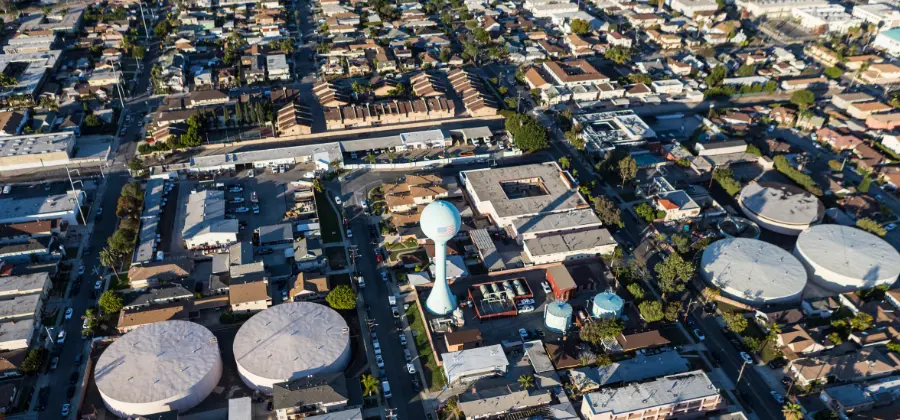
334	164
391	155
371	159
110	259
526	381
369	384
792	411
564	162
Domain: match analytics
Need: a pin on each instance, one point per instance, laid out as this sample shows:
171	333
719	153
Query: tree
370	159
803	99
672	310
287	46
138	52
369	385
526	381
681	243
162	29
618	55
716	76
607	212
603	360
136	164
640	78
317	185
34	361
600	329
865	184
564	162
860	322
735	321
482	36
110	259
110	302
92	121
746	70
871	226
91	319
636	291
627	169
651	310
122	241
579	26
390	155
673	272
792	411
753	344
341	298
647	212
835	338
833	72
527	134
835	165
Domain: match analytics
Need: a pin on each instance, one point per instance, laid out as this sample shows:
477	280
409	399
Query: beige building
686	395
880	74
294	119
36	150
247	297
310	287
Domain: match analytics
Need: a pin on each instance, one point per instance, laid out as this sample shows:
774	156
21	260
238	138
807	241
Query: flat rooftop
25	283
524	190
569	241
14	208
28	79
752	269
556	221
663	391
36	144
640	367
19	306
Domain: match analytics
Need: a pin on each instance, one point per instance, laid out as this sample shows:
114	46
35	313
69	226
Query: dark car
74	378
778	363
786	381
71	391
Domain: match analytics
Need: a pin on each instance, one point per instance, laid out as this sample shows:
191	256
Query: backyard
328	220
434	374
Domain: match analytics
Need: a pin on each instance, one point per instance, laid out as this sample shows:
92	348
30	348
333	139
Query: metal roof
752	270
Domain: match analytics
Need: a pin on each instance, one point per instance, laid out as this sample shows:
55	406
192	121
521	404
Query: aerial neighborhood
450	209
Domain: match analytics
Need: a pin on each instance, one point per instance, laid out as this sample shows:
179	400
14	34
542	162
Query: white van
387	389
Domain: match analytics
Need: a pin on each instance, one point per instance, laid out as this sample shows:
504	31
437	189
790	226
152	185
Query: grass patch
409	243
329	221
769	352
337	257
434	374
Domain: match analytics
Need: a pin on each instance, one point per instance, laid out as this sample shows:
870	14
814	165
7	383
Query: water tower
440	222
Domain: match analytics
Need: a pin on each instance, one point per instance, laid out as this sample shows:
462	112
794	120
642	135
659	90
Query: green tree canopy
34	361
341	298
651	310
528	135
672	310
871	226
833	72
579	26
673	272
600	329
618	55
607	211
803	99
735	321
110	302
636	291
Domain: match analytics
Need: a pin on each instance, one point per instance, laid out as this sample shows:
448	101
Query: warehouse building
205	225
36	150
55	206
466	366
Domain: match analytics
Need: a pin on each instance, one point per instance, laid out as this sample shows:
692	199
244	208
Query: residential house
312	287
315	394
677	205
253	296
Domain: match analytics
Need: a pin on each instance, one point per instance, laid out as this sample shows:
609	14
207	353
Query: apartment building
884	16
388	112
826	19
776	8
294	119
574	73
471	89
885	74
685	395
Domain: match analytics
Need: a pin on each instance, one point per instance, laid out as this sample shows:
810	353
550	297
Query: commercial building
31	70
604	131
158	368
16	335
30	42
36	150
882	15
574	73
291	341
569	246
682	395
781	208
690	7
753	271
55	206
463	367
639	368
826	19
321	155
205	225
845	259
888	41
776	8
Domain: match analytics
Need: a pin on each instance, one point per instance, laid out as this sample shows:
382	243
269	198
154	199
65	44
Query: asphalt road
406	400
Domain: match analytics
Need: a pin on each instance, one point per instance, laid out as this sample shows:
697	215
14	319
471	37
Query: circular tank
291	341
440	221
752	271
558	316
606	305
781	208
159	367
844	259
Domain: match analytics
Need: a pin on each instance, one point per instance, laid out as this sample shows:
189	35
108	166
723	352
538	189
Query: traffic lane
376	293
750	383
81	299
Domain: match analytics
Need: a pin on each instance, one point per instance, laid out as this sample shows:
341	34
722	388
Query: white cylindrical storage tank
159	367
781	208
291	341
607	305
844	259
558	316
753	271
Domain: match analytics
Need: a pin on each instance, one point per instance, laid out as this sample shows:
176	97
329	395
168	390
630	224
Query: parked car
699	334
98	285
402	339
890	226
349	233
337	200
410	368
546	287
746	357
526	309
80	270
241	210
65	409
778	397
523	333
69	313
54	362
61	337
379	360
406	355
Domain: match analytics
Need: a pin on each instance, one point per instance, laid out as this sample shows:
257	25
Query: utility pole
739	375
144	20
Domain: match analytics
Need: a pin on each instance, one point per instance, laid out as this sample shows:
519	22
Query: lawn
434	374
409	243
328	220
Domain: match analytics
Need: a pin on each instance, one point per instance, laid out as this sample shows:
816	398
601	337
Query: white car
746	357
546	287
69	313
61	337
65	409
98	285
379	361
337	200
526	301
526	309
699	334
241	209
237	200
349	233
236	189
85	325
410	368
